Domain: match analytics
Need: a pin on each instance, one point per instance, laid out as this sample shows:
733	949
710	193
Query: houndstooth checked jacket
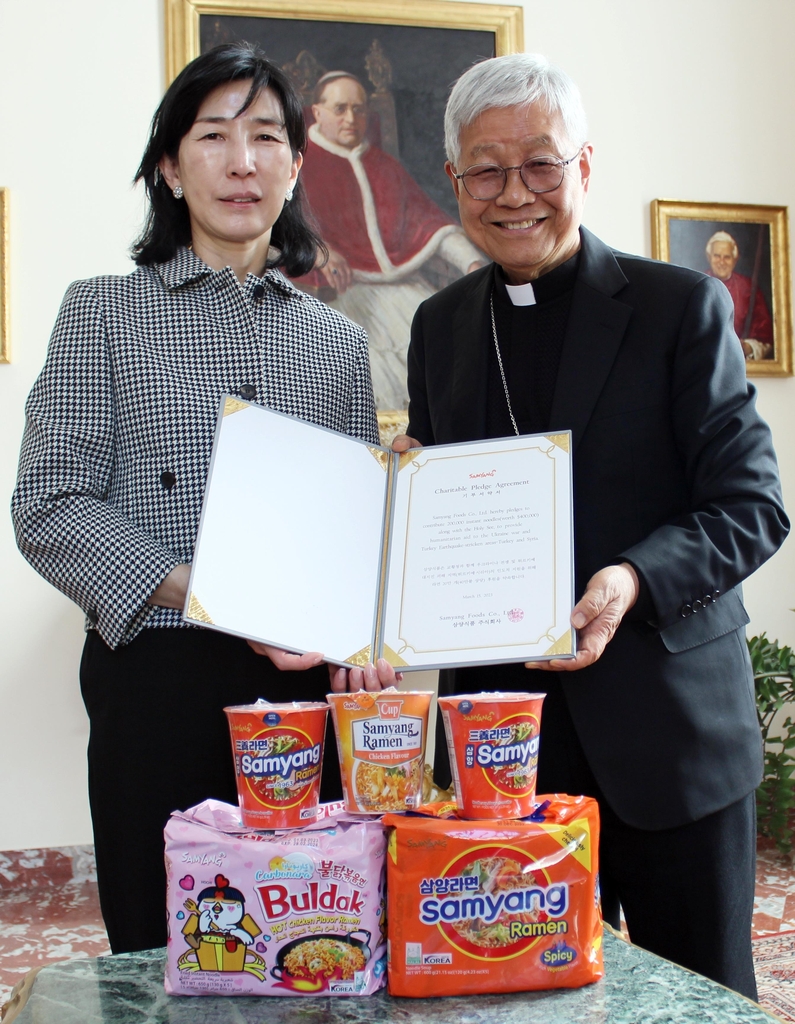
120	423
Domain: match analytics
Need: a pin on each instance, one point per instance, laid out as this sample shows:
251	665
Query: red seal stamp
515	615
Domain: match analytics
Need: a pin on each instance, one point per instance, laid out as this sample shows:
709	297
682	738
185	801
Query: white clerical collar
331	147
521	294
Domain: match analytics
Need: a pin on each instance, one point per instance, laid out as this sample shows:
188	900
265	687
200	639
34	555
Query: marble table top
638	988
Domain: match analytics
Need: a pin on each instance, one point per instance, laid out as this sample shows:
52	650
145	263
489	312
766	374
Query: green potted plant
774	682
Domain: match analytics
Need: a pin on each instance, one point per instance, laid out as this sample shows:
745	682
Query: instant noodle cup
492	740
494	906
381	745
278	752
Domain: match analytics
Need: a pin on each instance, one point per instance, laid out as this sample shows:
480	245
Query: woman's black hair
168	222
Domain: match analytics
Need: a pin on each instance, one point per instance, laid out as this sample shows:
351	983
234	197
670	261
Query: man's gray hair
517	79
722	236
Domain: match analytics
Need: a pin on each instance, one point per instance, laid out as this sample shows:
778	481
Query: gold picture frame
183	19
716	238
5	339
316	36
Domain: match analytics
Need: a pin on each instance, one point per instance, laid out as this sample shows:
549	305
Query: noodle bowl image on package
294	913
381	745
495	906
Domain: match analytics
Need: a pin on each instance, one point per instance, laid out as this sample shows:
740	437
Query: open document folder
311	540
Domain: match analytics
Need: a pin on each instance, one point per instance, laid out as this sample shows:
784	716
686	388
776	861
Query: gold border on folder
361	657
234	405
394	659
406	458
561	646
195	610
561	440
382	458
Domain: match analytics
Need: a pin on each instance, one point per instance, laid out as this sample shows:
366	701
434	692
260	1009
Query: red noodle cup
381	745
278	751
493	739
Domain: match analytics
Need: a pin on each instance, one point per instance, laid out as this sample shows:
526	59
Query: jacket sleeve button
248	391
167	479
697	606
686	610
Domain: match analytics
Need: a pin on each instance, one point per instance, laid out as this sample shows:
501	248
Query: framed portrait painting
747	248
374	78
5	343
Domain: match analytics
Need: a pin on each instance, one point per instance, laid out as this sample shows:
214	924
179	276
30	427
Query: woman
117	444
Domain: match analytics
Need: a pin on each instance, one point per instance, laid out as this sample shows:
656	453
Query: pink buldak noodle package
292	913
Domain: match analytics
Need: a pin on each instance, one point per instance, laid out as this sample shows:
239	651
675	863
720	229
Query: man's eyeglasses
539	174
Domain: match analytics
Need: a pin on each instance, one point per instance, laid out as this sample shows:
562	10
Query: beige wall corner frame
749	248
5	318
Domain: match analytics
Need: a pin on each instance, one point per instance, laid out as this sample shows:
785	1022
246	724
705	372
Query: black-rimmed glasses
538	174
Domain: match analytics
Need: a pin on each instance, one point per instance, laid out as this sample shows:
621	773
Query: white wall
687	100
79	82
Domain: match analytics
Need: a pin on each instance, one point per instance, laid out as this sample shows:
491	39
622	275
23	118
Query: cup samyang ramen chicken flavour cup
493	741
381	744
278	752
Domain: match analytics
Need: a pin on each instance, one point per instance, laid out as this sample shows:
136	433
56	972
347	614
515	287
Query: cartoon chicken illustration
219	931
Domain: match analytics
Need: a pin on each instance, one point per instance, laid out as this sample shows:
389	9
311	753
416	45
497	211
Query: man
380	229
677	500
757	336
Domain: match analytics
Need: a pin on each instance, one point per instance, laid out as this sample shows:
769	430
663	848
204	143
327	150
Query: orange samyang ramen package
494	906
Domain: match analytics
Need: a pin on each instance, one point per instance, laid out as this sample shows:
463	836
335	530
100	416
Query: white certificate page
289	544
480	559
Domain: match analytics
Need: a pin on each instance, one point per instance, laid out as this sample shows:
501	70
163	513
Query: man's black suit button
686	610
707	599
248	391
697	606
168	479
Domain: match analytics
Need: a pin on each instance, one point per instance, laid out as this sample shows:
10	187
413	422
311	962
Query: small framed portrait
747	248
5	344
374	78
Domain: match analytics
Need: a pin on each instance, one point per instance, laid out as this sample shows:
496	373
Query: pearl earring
178	193
288	194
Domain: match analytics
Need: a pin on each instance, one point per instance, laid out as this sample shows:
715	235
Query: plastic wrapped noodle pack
494	906
293	913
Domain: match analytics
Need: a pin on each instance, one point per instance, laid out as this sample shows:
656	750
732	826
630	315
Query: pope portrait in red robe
755	331
380	228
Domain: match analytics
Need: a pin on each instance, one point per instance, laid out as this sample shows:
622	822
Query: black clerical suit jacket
674	472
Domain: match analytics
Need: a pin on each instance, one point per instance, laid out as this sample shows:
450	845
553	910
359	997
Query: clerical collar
543	289
320	140
521	294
